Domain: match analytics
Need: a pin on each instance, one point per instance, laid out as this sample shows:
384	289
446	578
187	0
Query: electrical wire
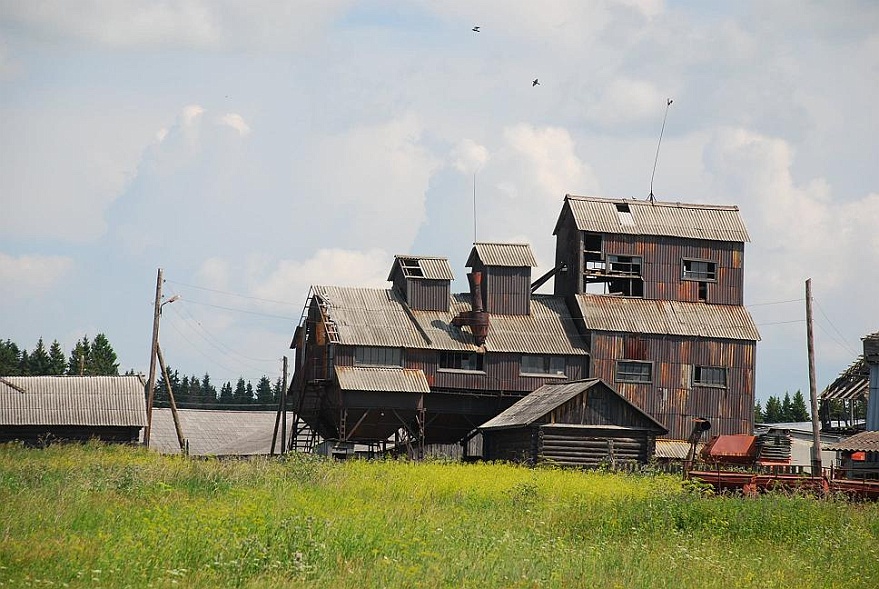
233	294
242	310
197	349
775	302
841	342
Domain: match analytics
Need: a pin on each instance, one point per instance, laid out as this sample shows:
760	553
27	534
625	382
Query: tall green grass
110	516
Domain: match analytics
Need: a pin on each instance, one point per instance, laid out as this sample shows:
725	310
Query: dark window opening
543	364
624	265
639	372
699	270
624	214
702	291
627	287
411	267
592	242
709	376
461	361
377	356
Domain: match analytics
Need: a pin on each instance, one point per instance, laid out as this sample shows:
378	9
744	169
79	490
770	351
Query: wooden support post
284	408
151	383
813	391
180	439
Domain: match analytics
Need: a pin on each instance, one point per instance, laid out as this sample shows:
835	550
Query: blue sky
253	149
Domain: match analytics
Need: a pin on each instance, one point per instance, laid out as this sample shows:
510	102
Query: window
461	361
543	364
624	265
624	214
709	376
699	270
634	372
411	267
377	356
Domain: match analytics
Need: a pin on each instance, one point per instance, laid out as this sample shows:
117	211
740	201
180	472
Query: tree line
786	410
97	358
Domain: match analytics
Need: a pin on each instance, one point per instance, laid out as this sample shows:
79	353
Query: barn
582	423
39	409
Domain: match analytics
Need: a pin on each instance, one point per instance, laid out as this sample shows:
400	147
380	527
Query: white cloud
235	121
468	156
29	275
625	101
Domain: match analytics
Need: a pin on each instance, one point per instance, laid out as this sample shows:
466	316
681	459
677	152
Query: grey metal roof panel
634	315
432	267
862	442
216	433
369	378
537	404
376	317
696	221
72	400
853	383
515	255
675	449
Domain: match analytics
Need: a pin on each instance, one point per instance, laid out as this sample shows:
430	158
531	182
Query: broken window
624	214
411	267
699	270
543	364
377	356
461	361
628	371
709	376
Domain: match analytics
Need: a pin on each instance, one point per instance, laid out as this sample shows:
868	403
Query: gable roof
217	432
853	383
378	317
374	378
73	400
516	255
862	442
634	315
539	403
645	217
422	267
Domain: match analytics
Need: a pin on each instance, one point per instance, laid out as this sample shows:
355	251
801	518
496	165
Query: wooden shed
40	409
582	423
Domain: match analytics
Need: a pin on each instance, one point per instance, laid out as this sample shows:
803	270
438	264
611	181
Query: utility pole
180	439
284	410
151	383
813	391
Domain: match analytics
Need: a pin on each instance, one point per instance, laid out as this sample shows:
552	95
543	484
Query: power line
781	322
775	302
242	310
842	343
233	294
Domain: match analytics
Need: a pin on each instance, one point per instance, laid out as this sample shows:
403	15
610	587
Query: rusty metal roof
733	446
634	315
537	404
515	255
377	317
72	400
862	442
644	217
430	267
369	378
853	383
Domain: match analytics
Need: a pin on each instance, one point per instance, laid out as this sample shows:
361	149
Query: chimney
477	318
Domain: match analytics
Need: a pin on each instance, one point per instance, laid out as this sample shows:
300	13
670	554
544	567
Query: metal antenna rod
656	159
474	207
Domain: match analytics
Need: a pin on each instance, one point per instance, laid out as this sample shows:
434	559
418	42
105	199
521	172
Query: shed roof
422	267
852	383
862	442
516	255
537	404
73	400
216	432
634	315
377	317
374	378
645	217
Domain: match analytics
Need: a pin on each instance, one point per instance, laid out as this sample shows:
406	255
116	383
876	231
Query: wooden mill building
648	298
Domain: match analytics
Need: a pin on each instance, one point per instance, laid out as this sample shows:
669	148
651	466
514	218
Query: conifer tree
57	363
786	408
208	391
240	394
102	358
277	389
78	361
773	412
758	413
798	408
227	397
38	361
264	395
24	364
10	358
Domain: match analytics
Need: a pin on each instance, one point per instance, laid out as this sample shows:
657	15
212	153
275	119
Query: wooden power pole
151	383
813	391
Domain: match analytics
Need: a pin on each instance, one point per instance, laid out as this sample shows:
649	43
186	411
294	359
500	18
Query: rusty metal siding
508	290
428	295
568	250
671	398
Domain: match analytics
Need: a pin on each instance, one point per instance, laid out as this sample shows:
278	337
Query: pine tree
57	363
38	361
24	364
227	397
250	396
10	358
786	408
240	394
758	413
102	358
264	394
277	389
79	357
798	408
208	391
194	392
773	412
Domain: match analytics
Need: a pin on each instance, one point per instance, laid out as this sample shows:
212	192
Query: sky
253	149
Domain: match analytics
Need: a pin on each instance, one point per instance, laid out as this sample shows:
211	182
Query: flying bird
475	29
535	83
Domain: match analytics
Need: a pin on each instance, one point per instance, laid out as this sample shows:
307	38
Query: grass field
102	516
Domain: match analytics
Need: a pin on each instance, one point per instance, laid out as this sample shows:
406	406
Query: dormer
424	282
506	276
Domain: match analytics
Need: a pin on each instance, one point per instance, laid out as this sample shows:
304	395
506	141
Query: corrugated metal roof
862	442
675	449
369	378
217	433
634	315
72	400
376	317
515	255
432	267
853	383
698	221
